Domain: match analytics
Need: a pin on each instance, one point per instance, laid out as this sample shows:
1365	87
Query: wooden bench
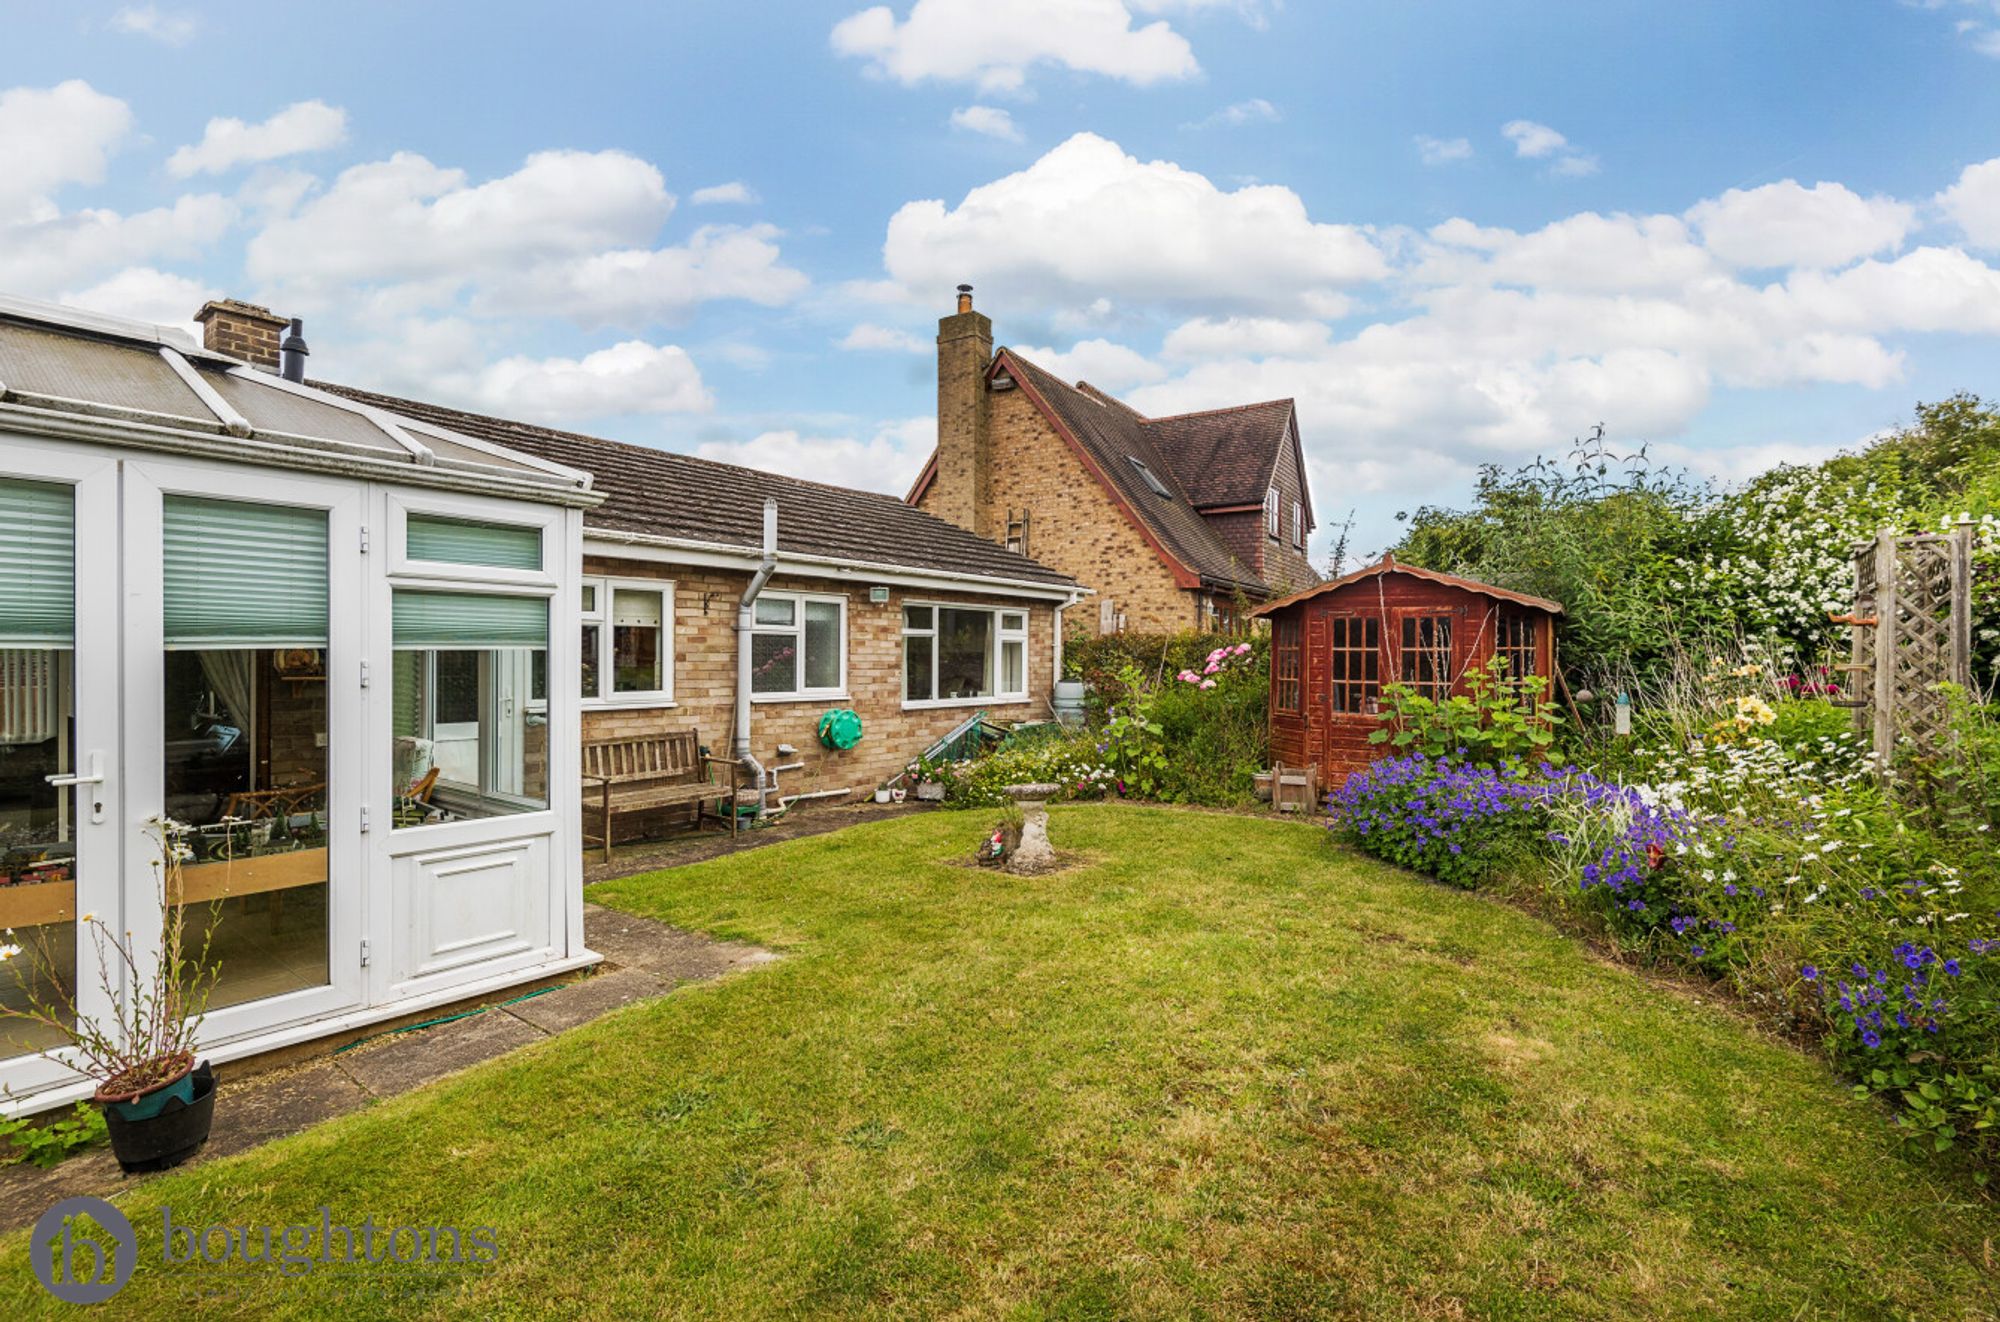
654	771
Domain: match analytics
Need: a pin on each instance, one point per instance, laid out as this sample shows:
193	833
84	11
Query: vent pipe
292	352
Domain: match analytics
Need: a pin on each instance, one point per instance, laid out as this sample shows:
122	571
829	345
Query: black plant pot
162	1142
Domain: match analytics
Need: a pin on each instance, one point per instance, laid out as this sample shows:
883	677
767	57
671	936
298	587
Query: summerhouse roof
77	375
1388	564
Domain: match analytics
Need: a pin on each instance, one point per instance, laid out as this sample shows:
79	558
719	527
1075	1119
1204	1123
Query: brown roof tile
665	494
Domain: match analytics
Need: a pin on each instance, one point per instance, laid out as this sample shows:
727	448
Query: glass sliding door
245	738
38	818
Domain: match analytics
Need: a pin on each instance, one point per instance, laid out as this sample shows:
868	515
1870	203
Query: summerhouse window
1354	661
1285	664
1516	644
627	642
1271	511
470	723
954	654
1425	657
798	646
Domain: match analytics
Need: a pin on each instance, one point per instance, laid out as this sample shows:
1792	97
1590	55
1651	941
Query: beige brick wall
705	679
1074	525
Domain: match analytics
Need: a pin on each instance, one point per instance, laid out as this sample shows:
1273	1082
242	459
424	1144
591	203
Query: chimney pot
965	298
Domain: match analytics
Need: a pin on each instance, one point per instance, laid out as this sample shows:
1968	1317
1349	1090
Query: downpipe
746	619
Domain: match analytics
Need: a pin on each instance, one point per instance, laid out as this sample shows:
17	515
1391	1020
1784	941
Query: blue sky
1456	232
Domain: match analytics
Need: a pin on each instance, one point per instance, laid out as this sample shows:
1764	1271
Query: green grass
1226	1069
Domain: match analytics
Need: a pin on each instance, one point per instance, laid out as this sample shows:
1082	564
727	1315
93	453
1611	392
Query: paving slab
581	1002
270	1106
410	1060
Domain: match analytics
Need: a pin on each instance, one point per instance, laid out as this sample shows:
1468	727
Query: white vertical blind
37	564
243	575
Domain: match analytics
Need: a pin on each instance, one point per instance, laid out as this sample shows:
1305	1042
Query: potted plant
881	794
158	1102
930	780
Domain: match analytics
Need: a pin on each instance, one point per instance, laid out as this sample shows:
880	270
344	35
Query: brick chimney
242	330
964	449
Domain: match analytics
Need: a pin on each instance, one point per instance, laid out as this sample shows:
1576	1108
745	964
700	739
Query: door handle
93	776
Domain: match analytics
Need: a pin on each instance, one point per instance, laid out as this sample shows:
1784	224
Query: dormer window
1270	511
1152	479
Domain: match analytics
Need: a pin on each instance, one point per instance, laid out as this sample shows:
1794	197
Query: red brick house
1171	521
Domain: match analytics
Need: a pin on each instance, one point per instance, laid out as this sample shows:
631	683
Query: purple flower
1870	1038
1809	973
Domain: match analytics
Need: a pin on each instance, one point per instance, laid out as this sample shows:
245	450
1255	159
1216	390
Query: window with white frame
1270	511
798	646
628	642
963	654
1298	524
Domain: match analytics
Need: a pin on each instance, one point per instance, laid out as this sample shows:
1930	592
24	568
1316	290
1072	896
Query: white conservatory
318	634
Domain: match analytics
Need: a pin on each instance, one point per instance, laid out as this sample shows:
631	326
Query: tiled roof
1388	564
664	494
1115	435
1225	456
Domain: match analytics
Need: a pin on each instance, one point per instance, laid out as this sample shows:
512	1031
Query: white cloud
1443	151
169	29
52	137
1087	221
734	193
568	234
1539	142
1254	111
993	44
992	121
1533	140
1784	224
145	294
42	258
1973	203
304	126
1110	367
887	460
868	337
632	377
1245	337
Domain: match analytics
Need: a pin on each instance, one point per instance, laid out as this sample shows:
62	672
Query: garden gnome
1033	853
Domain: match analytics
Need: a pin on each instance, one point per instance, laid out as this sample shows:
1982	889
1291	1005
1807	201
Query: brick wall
961	490
242	330
705	679
1075	526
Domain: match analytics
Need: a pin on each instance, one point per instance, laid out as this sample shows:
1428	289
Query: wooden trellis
1912	630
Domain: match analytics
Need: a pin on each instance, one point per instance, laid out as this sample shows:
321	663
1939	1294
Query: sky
1456	232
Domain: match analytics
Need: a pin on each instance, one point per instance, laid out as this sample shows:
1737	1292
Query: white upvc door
289	946
86	774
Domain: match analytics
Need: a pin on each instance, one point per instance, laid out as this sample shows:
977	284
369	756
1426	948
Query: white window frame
473	509
1001	635
1298	524
797	630
1271	528
607	698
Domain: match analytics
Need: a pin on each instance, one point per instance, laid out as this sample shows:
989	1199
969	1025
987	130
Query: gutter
746	619
731	554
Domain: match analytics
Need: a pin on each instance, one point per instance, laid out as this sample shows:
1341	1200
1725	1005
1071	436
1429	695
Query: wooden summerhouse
1336	644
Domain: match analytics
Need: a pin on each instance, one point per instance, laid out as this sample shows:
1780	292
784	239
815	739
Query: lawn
1225	1068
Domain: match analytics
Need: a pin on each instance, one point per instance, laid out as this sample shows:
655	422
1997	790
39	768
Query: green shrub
1497	719
1072	761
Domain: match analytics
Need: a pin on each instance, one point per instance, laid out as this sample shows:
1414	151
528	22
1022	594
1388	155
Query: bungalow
867	605
316	632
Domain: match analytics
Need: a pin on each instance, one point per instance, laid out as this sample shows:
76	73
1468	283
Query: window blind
462	621
243	575
37	564
467	542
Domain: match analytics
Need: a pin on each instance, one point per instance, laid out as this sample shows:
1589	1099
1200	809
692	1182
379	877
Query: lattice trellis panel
1912	631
